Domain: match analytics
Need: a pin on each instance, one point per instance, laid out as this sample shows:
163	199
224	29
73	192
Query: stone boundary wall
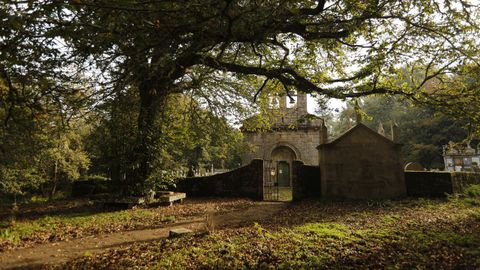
86	188
438	184
246	181
305	181
461	180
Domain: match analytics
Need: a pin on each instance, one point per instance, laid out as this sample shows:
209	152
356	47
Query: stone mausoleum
361	164
461	157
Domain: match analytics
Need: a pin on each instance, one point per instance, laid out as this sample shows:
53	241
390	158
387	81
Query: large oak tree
338	49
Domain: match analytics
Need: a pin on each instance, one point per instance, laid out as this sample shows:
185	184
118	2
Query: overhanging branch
290	77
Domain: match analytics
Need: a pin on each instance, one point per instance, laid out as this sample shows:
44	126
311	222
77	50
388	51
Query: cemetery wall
245	181
87	188
306	181
438	184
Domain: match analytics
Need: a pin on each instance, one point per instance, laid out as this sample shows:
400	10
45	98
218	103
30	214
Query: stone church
294	135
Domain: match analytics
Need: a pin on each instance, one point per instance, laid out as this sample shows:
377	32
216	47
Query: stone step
178	232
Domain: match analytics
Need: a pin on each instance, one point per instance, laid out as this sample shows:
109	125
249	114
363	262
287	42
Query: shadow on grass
327	241
70	208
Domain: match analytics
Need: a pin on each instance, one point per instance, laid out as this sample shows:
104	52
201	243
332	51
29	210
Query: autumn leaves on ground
405	234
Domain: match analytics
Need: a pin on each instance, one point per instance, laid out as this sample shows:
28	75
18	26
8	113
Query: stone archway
282	160
277	185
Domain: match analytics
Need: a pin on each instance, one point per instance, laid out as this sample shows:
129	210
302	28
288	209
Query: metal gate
270	183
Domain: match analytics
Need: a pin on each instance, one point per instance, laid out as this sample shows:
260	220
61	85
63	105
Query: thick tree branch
290	77
314	11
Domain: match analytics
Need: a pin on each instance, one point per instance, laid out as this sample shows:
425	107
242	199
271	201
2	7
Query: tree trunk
151	102
14	211
55	180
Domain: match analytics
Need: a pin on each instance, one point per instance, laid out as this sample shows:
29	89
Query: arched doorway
278	176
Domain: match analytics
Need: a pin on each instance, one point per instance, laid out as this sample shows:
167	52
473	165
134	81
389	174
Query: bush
472	191
470	196
94	184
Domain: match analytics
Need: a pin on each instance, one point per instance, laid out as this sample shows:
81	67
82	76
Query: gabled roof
357	127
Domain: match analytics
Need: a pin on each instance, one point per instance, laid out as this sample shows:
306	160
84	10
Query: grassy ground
63	220
406	234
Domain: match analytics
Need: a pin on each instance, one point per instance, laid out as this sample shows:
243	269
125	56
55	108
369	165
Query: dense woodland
133	91
423	131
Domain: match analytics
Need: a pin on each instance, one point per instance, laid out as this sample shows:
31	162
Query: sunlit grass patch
472	195
389	219
472	191
49	224
25	229
328	230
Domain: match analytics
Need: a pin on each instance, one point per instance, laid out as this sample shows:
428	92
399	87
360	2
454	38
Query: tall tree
338	49
38	146
189	136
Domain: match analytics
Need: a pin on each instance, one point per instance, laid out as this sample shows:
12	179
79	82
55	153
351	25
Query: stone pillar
394	131
323	134
298	185
257	173
381	130
302	102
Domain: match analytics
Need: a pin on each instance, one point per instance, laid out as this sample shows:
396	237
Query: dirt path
59	252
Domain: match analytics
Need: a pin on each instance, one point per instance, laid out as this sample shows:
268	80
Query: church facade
293	135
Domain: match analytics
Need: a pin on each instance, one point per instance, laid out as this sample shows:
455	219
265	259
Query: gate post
298	185
257	175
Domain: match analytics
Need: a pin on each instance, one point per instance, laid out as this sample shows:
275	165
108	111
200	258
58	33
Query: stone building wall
292	127
361	164
302	142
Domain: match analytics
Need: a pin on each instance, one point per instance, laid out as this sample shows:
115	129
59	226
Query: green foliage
472	191
188	136
222	52
38	147
470	196
422	130
159	180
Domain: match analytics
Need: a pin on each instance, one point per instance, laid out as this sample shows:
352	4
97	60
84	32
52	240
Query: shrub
469	196
472	191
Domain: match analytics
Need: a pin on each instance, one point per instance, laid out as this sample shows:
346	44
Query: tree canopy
86	51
